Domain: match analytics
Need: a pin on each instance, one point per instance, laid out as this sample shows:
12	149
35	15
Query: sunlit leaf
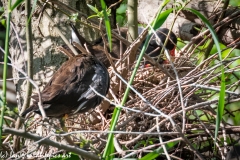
107	24
94	9
162	18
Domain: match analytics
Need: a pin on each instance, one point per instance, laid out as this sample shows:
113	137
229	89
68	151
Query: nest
159	112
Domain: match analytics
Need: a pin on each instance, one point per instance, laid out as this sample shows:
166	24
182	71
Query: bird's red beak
147	65
172	52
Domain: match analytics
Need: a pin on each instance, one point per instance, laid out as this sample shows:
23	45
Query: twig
42	141
29	40
65	51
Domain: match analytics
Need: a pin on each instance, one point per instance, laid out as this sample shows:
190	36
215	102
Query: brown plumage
69	92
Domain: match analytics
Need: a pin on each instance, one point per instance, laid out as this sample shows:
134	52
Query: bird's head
157	41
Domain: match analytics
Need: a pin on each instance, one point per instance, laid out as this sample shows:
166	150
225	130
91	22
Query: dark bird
162	35
69	91
153	50
155	46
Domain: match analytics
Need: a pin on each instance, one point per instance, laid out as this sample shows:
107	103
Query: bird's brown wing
67	78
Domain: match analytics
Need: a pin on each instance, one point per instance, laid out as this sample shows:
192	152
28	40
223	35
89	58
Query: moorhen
69	92
154	47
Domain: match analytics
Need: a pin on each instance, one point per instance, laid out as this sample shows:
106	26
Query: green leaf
221	100
154	23
107	24
161	18
164	3
94	9
125	159
3	22
159	151
16	4
92	16
109	12
122	9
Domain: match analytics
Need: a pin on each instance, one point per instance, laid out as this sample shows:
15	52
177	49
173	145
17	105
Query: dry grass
141	129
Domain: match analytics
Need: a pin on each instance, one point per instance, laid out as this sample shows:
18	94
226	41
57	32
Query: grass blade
109	146
107	24
221	100
4	98
159	151
16	4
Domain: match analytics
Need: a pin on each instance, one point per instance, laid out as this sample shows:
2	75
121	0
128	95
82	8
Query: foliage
103	15
146	123
121	15
99	14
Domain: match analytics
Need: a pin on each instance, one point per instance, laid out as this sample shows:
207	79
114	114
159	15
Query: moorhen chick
69	92
154	48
